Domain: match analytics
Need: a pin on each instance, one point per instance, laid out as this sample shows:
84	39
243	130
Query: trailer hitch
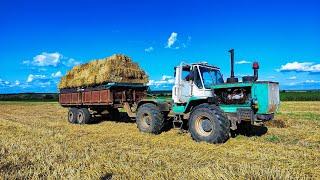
179	123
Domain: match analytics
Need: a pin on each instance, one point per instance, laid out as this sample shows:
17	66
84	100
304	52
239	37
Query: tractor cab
195	81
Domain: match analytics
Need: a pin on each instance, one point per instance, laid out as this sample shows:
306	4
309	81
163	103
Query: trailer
87	101
201	100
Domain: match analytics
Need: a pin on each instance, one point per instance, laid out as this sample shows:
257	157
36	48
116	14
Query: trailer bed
108	94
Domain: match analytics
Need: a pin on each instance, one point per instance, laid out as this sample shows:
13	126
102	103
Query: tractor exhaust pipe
232	79
255	67
231	51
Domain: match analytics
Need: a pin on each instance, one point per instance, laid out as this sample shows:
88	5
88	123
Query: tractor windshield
210	76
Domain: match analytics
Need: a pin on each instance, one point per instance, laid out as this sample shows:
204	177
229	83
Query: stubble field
36	141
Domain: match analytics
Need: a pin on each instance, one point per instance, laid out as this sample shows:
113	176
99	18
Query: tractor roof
204	64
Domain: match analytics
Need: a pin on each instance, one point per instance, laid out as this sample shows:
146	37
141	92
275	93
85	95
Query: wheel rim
71	116
80	117
146	118
204	126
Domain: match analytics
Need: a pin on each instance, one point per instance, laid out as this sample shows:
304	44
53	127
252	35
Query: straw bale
116	68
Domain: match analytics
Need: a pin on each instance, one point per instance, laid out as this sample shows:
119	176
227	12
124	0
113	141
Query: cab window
197	78
210	77
187	74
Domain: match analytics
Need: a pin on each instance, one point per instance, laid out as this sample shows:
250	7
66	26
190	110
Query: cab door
186	84
182	89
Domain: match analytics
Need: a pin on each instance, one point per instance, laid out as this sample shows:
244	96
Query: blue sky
41	40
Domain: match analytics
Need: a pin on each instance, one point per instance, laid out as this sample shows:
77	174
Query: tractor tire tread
222	124
157	118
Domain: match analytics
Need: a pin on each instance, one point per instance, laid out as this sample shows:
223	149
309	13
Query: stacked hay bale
117	68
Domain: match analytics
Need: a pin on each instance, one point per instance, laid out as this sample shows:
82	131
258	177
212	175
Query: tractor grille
244	114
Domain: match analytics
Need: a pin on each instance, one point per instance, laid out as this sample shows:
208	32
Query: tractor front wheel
208	123
149	118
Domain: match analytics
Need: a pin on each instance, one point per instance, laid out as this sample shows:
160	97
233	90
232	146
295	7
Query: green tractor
210	106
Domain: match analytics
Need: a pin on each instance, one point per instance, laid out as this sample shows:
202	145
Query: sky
41	40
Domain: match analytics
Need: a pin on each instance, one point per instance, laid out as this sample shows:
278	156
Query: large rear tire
83	116
209	123
72	115
149	118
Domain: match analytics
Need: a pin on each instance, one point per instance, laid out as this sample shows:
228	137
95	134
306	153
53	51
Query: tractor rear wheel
149	118
83	116
72	115
208	123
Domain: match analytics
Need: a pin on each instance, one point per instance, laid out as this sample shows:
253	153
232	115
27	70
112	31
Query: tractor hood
262	95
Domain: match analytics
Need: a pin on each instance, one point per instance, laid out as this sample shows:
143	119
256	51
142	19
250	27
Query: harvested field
116	68
36	141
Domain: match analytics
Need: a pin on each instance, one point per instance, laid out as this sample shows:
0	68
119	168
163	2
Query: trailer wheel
72	115
208	123
149	118
83	116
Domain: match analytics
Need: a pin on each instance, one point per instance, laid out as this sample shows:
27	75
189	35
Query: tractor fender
163	106
195	102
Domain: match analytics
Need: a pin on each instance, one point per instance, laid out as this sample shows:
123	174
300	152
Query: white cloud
300	67
306	82
271	77
165	81
151	82
70	62
166	77
32	77
34	83
243	62
44	84
26	62
42	69
312	81
172	39
149	49
58	74
174	43
46	59
45	69
293	83
292	78
4	83
50	59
